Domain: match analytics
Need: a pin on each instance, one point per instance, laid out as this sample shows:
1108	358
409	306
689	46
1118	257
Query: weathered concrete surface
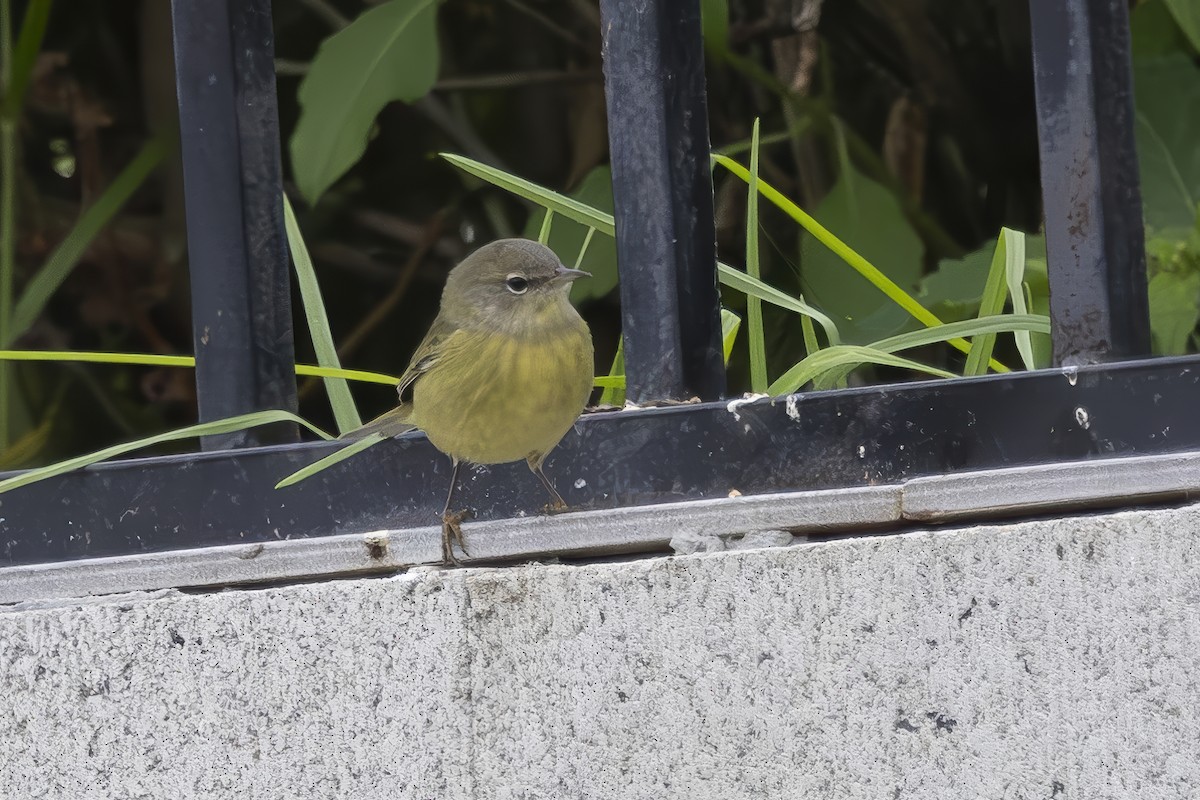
1056	659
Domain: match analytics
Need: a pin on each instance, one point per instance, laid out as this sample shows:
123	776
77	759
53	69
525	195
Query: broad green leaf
64	258
568	236
390	52
1174	298
861	211
714	21
229	425
954	288
344	411
1187	14
1154	31
1167	97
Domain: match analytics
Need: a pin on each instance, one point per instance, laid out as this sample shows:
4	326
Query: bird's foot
452	534
556	507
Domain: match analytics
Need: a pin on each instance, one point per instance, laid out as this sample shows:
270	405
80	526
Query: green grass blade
238	423
347	374
799	128
587	240
603	222
351	449
613	383
614	394
990	304
1000	323
847	254
60	263
832	358
742	282
152	360
1014	273
811	343
550	200
344	411
24	56
544	233
139	359
754	320
730	323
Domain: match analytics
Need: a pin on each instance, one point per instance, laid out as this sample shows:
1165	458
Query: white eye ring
516	283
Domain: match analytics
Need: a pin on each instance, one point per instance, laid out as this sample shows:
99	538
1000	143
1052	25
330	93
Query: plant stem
8	241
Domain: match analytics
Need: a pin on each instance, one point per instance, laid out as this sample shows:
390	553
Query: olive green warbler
504	371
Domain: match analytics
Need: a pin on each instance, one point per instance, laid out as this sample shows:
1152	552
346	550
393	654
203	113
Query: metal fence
1096	402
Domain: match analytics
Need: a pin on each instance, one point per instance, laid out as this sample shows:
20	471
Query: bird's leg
451	524
556	502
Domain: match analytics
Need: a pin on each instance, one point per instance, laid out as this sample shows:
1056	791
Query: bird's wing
441	337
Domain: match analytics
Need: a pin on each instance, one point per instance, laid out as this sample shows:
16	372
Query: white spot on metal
793	410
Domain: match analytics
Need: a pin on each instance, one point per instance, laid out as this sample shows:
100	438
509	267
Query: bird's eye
516	284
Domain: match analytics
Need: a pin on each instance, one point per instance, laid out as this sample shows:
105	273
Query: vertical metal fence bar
662	188
238	261
1090	187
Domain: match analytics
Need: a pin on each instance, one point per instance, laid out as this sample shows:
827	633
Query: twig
515	80
549	24
328	13
290	68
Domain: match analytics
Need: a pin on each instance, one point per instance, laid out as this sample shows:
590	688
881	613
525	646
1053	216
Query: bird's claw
452	534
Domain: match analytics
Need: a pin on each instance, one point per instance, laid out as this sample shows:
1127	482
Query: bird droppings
862	451
733	405
792	408
377	545
1083	418
580	483
1072	374
251	552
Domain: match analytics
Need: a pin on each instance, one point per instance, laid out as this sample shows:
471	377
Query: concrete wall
1055	659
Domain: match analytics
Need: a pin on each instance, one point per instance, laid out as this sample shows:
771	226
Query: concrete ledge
963	496
1045	659
625	530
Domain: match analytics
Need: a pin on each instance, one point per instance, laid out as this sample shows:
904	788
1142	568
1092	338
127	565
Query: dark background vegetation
931	99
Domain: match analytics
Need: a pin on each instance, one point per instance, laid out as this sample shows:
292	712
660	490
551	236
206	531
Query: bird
503	373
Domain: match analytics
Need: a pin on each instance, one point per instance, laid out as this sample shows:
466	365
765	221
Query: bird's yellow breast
496	398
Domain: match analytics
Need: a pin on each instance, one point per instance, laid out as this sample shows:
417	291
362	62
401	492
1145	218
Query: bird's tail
388	424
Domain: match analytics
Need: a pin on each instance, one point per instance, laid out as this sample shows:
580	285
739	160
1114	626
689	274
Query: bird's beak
562	273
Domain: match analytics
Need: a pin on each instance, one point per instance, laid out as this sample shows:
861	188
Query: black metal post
1090	187
237	248
662	188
